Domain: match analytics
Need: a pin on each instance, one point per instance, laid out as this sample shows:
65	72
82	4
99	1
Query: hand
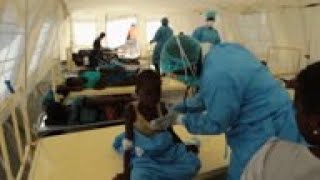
163	123
127	144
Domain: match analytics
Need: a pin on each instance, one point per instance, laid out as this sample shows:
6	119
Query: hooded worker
161	37
237	96
207	33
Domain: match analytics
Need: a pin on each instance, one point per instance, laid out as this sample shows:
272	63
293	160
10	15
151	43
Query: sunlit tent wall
30	46
279	32
116	26
281	35
46	41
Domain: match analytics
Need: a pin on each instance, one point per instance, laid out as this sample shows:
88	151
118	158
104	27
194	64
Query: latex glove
127	144
139	151
163	123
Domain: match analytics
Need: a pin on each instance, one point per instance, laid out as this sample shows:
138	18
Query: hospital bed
84	154
85	151
168	85
128	53
89	155
172	93
45	131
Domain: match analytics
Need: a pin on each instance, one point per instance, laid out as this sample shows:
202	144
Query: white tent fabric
312	25
38	27
29	35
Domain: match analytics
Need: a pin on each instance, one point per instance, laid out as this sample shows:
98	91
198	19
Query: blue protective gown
242	99
162	158
205	34
161	37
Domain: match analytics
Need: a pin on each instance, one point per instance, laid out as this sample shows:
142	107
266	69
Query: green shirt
92	78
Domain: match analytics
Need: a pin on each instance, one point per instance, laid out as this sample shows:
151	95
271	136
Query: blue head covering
181	53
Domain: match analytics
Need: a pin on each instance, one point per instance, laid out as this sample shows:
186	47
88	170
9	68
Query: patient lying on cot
157	154
83	110
59	114
94	79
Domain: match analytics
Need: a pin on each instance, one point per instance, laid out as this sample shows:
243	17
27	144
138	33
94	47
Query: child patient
157	154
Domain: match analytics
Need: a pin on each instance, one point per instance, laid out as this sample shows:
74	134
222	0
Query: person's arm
175	137
222	102
156	37
218	39
196	34
192	105
97	44
65	90
118	143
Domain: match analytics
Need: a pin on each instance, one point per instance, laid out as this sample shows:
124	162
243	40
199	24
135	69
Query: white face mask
210	23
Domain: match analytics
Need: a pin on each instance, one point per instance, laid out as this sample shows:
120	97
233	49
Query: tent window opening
39	49
117	31
84	33
255	33
152	27
11	45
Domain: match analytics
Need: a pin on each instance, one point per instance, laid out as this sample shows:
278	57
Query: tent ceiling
133	6
139	5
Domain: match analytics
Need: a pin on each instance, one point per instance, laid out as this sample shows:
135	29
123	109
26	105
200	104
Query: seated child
157	154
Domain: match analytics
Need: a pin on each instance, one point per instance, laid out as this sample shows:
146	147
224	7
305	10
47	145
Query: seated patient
282	160
157	154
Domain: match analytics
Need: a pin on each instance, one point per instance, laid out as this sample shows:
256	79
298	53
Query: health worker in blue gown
160	38
237	96
207	33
